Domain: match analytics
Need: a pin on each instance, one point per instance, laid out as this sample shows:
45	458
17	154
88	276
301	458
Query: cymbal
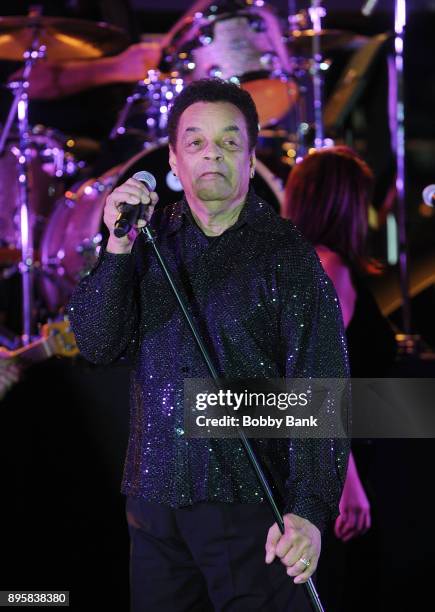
65	39
300	41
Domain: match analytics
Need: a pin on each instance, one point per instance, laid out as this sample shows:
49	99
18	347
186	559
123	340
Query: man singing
201	530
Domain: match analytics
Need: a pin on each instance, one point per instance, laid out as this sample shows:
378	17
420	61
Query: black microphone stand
151	238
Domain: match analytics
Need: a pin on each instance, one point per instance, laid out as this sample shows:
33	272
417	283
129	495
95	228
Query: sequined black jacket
264	307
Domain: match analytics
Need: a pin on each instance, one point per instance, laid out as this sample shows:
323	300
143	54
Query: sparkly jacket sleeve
315	326
103	310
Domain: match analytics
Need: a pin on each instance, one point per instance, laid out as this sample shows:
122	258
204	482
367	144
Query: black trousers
205	557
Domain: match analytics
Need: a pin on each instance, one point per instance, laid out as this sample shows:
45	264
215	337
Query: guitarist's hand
9	372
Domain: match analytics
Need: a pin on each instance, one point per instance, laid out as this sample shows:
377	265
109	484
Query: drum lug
257	23
206	35
215	72
270	61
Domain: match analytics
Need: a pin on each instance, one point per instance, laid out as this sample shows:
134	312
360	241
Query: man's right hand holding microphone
132	192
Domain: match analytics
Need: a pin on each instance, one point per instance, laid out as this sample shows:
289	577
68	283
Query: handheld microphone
429	195
130	213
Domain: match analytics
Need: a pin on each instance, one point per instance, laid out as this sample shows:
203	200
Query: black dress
348	573
370	339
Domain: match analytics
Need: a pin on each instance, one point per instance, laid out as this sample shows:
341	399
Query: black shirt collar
256	213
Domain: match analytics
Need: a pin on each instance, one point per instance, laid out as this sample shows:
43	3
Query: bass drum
72	239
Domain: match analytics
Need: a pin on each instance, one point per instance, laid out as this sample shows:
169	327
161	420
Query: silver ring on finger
306	562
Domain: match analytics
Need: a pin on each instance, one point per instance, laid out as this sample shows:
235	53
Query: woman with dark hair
327	197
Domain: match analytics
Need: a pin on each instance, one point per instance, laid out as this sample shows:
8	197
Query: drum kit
51	226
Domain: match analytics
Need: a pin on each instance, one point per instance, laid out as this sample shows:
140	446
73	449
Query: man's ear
252	162
172	160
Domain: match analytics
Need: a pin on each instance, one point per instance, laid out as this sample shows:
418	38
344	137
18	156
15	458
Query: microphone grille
147	178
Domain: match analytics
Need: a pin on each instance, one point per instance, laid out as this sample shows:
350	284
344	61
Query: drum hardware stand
19	108
301	118
151	82
399	121
308	75
119	127
151	238
316	12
